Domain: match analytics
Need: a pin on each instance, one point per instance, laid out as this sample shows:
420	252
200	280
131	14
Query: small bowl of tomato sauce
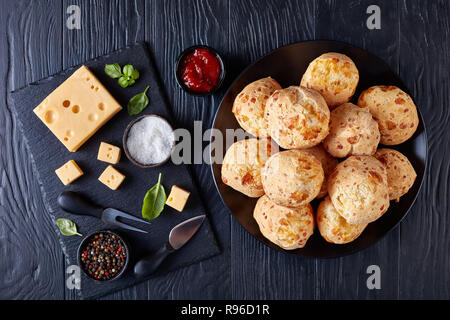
199	70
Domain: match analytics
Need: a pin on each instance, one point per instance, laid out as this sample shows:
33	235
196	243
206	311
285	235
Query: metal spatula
74	203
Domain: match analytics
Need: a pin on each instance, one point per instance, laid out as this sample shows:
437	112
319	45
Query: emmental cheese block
111	178
177	198
109	153
77	109
69	172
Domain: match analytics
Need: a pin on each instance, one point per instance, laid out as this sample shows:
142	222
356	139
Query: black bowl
83	245
287	65
181	58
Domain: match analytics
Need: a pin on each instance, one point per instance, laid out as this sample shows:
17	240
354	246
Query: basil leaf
138	103
113	70
128	70
135	74
67	227
154	201
123	81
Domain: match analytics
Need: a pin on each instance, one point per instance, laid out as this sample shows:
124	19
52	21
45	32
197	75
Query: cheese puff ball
394	110
250	104
242	164
298	117
334	75
289	228
400	173
358	189
292	178
333	227
353	131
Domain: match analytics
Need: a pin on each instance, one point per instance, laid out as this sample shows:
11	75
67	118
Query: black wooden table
35	42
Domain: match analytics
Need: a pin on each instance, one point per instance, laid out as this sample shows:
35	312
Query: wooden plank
32	260
424	64
259	272
105	26
345	278
171	27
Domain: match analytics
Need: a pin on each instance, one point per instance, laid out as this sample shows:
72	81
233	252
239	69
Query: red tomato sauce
200	71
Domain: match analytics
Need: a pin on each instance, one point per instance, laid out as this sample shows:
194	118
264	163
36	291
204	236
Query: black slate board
48	154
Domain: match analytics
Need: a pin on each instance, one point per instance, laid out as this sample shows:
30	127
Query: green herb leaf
128	70
123	81
138	103
154	201
127	78
135	74
67	227
113	70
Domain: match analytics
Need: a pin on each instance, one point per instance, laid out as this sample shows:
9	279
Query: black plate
287	65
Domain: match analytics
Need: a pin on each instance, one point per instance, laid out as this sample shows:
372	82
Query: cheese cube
177	198
111	178
109	153
77	109
69	172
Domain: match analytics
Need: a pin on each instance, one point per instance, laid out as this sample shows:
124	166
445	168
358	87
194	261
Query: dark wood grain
413	40
28	243
258	272
106	26
345	278
171	27
424	64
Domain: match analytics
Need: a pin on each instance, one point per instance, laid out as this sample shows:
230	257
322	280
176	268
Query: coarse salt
150	140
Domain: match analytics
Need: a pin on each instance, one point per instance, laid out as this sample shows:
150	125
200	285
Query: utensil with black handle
178	237
74	203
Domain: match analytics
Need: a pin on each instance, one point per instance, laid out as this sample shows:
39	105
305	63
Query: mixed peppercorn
104	256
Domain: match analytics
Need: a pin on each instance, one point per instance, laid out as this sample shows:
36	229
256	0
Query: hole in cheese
76	109
112	177
101	106
66	103
93	117
92	87
70	133
96	88
170	199
66	139
50	116
87	79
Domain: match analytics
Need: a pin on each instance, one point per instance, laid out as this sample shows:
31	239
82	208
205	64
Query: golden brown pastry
288	228
241	168
333	227
353	131
292	178
297	117
400	172
328	165
394	111
334	75
358	189
250	104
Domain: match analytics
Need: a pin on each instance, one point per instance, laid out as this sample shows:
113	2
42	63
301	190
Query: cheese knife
74	203
178	237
